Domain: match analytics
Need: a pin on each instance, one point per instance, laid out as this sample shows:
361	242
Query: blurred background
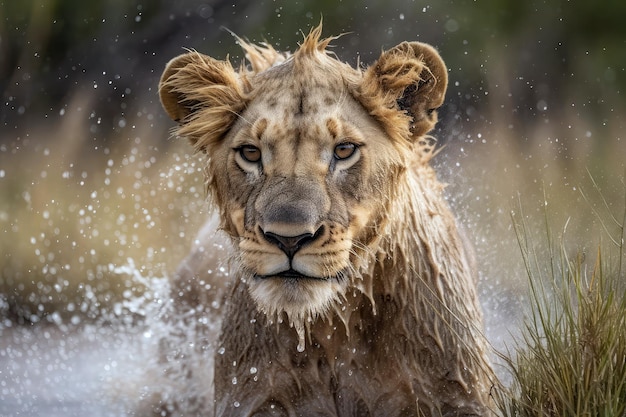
93	188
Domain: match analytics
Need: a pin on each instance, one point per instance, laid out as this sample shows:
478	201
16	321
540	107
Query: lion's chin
301	298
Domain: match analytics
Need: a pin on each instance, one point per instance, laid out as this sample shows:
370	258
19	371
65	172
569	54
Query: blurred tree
509	57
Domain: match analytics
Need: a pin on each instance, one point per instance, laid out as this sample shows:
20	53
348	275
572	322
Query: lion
352	291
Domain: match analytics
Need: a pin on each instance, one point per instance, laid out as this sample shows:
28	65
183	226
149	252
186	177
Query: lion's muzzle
290	226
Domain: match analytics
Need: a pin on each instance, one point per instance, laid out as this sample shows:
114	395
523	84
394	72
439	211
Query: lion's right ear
203	95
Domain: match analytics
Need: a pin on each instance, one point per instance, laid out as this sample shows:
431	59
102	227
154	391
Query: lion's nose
291	244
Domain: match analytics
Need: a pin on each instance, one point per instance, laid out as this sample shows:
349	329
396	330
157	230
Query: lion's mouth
291	274
300	296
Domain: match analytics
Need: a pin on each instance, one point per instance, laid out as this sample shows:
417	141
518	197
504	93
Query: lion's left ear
408	80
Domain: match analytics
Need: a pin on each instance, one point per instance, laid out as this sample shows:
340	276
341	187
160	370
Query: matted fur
353	292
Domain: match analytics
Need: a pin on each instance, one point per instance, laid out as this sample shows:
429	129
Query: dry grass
490	170
571	358
70	214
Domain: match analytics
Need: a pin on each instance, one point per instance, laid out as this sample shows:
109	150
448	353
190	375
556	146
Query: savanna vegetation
570	357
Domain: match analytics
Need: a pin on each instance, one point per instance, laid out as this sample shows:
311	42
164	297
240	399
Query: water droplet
301	341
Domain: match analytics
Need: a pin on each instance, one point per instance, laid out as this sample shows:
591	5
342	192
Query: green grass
571	357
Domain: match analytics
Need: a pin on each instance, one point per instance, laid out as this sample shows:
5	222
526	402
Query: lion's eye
345	150
250	153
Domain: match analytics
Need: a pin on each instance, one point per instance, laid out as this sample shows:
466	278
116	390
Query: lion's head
304	156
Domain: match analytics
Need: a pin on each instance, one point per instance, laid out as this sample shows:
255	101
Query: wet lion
352	293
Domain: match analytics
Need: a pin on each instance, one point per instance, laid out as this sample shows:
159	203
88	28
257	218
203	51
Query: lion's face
304	158
304	183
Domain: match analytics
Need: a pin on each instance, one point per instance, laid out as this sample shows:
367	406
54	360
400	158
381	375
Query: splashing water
108	368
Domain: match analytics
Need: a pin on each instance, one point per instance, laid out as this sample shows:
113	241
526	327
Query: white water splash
113	367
